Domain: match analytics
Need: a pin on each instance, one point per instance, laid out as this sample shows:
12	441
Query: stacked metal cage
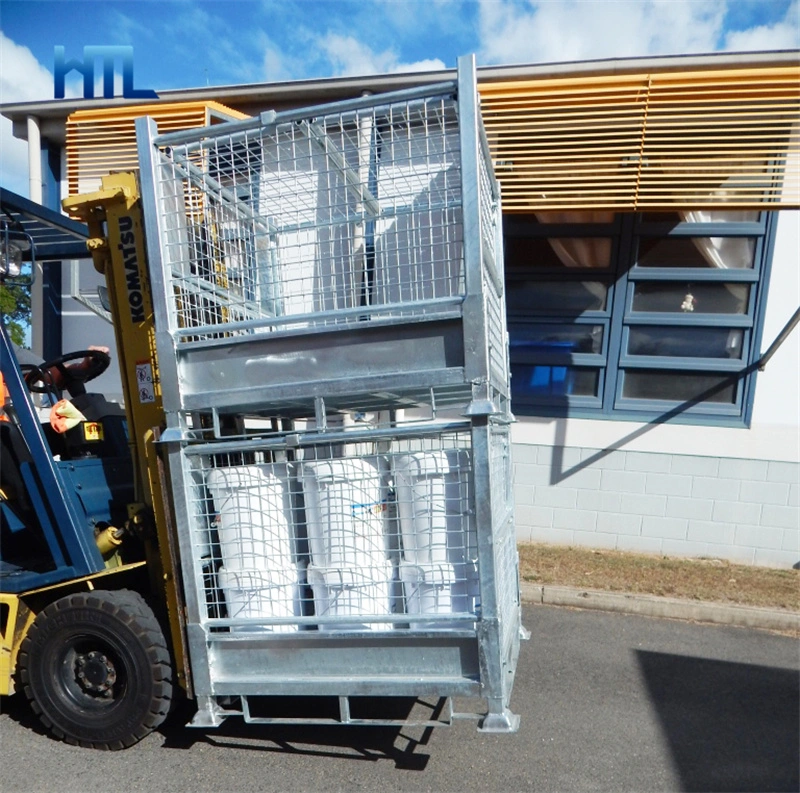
333	363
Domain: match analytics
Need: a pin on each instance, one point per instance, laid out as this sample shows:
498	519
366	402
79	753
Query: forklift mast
85	521
117	244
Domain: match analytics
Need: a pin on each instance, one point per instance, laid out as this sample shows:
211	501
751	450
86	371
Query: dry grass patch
691	579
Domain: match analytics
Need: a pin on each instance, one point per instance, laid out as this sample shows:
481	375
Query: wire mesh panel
296	223
372	529
493	275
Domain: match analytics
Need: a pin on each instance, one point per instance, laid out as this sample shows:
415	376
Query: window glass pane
722	253
552	338
678	386
699	298
686	342
552	381
676	298
564	297
525	253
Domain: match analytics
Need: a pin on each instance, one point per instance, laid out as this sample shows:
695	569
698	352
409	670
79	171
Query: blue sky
191	43
218	42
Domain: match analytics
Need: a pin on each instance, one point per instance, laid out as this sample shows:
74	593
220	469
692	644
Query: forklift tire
96	669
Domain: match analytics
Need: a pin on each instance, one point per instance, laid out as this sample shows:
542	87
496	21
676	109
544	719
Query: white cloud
277	63
427	65
274	65
538	31
349	57
783	35
22	79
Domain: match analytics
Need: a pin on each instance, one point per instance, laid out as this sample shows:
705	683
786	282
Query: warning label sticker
93	431
144	382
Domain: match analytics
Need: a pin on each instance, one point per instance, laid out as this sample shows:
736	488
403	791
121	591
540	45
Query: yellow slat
99	141
645	141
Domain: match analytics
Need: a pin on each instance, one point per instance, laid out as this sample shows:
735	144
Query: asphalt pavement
609	702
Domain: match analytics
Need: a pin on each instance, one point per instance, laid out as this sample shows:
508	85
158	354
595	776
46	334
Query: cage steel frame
287	591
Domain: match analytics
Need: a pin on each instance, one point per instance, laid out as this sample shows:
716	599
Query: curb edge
654	606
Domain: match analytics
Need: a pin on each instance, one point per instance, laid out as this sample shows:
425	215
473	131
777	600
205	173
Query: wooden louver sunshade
727	139
101	141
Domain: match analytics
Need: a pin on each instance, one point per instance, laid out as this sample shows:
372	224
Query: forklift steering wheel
40	380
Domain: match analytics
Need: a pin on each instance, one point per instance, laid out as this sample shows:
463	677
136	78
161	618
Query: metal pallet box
306	266
350	251
380	562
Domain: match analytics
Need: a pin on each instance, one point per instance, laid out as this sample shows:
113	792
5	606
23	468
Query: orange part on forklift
4	392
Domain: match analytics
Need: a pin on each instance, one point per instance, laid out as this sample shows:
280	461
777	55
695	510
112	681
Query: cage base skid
505	722
348	711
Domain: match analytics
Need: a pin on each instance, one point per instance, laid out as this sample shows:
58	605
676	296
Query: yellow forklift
84	591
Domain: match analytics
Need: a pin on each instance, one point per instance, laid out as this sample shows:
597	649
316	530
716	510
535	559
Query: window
636	315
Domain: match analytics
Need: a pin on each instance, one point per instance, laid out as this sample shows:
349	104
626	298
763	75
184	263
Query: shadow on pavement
398	744
730	727
19	709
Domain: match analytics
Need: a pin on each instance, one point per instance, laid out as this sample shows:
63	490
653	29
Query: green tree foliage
15	309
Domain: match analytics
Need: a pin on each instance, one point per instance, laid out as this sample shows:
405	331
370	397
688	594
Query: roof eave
334	87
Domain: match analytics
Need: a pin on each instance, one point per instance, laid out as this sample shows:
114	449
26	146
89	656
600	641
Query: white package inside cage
433	504
439	569
428	589
345	509
261	594
440	589
419	240
352	592
255	518
420	484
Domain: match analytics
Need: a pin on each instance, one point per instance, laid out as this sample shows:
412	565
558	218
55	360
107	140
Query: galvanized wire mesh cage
309	266
296	223
375	220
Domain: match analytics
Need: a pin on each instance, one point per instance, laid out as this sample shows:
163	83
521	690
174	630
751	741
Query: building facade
651	254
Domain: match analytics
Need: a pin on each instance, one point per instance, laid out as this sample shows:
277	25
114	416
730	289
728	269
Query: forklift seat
13	452
20	549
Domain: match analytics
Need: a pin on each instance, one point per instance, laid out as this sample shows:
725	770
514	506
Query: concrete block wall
745	511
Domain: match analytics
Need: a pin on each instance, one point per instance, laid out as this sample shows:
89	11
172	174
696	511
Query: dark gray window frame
613	360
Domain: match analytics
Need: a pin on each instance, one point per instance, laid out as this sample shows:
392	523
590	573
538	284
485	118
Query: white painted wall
745	511
777	402
673	489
